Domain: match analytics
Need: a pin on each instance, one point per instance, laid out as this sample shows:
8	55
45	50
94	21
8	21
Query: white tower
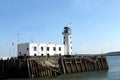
67	41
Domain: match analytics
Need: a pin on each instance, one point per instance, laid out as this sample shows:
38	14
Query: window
42	54
64	42
60	54
48	55
42	49
71	47
54	48
47	48
25	55
35	48
59	48
35	54
70	42
27	49
64	37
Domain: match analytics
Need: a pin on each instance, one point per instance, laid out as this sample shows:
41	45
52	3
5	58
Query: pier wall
13	68
83	64
50	66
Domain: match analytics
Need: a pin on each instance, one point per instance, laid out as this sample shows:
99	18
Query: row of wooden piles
25	68
32	67
35	69
13	68
83	64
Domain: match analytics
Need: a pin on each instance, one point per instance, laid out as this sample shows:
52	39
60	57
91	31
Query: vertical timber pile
1	69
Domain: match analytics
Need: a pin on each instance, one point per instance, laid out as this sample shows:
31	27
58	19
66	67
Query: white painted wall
38	51
67	41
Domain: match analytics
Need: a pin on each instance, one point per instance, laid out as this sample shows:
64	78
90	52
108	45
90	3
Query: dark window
47	48
27	49
59	48
35	48
41	54
48	55
70	42
64	37
25	55
42	48
71	47
54	48
35	54
70	37
60	54
64	42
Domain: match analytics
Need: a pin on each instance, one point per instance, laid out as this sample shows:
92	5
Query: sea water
112	74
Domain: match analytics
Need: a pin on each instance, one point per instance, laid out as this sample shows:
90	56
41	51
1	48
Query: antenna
18	37
0	51
31	39
10	52
68	25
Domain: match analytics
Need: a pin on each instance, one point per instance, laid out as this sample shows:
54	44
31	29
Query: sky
95	24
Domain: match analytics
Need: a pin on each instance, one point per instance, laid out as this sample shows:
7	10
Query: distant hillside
117	53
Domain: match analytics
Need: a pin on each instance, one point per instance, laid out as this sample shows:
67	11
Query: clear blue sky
95	23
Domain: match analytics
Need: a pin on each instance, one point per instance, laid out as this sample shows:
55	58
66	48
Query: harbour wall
34	67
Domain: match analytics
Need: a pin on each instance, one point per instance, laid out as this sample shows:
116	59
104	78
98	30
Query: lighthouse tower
67	41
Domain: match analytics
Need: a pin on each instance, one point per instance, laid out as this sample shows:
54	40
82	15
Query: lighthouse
67	41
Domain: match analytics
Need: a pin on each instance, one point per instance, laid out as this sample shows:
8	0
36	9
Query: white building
34	49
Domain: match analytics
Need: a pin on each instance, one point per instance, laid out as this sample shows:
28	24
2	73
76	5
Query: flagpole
13	48
0	52
18	38
18	43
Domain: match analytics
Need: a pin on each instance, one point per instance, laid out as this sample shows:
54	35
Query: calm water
112	74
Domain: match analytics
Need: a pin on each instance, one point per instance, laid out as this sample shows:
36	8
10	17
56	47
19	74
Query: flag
12	43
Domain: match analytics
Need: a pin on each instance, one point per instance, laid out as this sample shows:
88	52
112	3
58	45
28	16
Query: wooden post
63	66
28	68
